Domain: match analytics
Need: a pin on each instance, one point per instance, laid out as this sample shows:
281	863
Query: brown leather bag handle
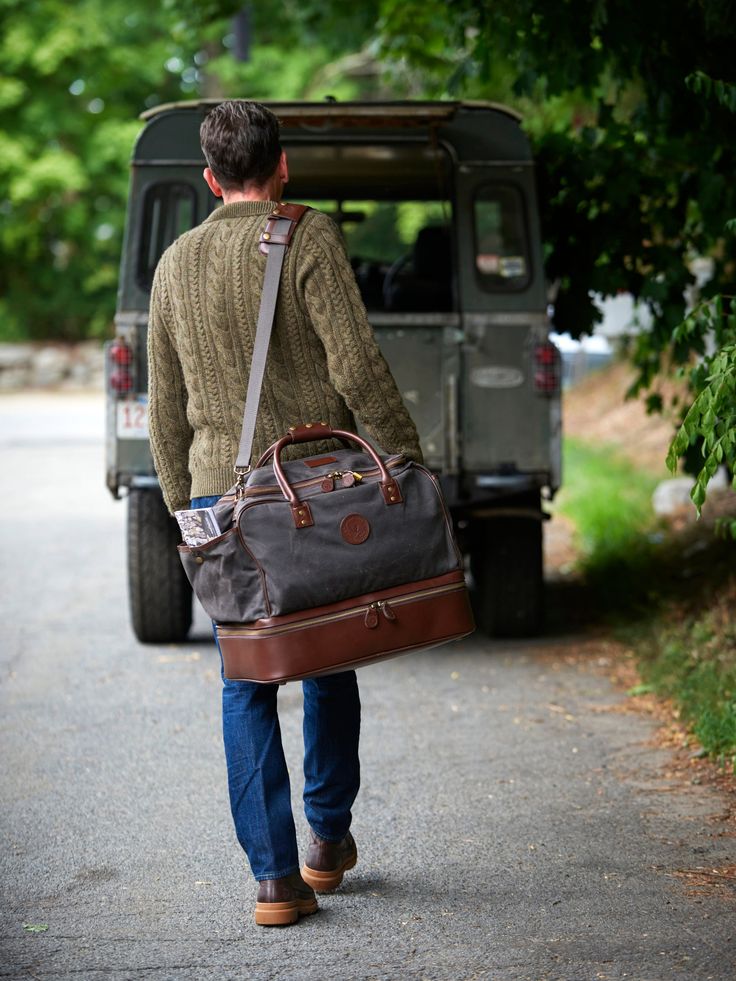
300	510
317	431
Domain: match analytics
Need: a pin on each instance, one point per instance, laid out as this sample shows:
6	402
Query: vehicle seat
422	281
370	277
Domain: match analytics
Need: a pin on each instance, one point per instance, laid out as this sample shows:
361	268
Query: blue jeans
258	778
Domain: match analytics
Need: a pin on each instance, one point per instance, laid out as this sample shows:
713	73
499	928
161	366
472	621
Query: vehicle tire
159	591
506	562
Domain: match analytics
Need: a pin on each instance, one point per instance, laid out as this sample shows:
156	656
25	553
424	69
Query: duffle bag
328	562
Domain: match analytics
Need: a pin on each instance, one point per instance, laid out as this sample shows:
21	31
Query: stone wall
51	366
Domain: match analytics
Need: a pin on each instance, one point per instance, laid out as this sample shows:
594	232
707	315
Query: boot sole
327	881
283	914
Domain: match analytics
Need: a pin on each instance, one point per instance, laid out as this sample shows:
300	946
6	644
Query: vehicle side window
169	209
501	242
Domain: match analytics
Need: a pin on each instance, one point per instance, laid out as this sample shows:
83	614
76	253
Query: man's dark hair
240	141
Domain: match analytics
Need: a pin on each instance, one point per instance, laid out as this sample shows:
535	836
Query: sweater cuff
176	496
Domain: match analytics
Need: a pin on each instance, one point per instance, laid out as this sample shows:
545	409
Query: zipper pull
371	616
328	483
350	478
387	610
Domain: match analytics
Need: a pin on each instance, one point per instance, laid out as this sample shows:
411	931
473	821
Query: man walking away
323	364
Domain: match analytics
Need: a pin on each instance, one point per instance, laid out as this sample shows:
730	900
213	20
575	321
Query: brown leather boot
282	901
328	861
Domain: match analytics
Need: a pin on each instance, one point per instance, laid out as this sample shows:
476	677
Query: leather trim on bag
194	549
448	522
302	515
321	461
355	529
456	578
347	639
391	492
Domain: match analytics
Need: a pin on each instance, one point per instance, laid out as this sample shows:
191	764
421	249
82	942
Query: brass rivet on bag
301	514
266	236
309	425
199	559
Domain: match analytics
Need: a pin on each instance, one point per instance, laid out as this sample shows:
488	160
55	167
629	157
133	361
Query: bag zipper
384	606
391	463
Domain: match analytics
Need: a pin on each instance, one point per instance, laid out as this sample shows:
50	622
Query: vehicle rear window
400	251
169	209
501	242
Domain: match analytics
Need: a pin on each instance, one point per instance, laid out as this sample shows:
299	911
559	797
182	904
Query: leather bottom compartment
348	634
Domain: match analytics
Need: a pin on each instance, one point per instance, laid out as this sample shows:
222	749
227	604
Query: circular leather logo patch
354	529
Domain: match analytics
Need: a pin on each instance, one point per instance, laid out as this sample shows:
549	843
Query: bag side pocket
225	578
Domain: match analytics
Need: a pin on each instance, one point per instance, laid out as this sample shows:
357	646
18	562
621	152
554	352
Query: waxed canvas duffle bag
329	562
326	562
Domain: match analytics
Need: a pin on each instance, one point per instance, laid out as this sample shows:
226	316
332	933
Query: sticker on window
512	266
488	263
506	266
501	248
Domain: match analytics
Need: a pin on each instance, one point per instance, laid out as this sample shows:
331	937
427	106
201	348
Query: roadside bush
692	659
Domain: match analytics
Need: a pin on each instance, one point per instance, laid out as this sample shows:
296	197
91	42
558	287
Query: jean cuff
277	875
331	838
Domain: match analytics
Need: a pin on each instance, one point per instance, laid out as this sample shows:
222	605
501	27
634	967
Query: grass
671	596
608	500
689	655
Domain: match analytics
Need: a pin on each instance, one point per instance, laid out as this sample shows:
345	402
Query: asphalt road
512	824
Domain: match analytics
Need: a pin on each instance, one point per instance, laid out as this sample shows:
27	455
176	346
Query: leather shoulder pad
281	225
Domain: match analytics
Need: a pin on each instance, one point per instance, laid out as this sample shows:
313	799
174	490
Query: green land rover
437	204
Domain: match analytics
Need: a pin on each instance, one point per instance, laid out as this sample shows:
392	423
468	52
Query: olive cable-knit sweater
323	363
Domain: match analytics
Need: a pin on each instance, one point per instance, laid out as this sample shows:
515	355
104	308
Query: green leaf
697	494
35	927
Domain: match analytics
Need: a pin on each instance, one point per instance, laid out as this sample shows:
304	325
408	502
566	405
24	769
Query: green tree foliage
711	419
635	169
74	78
710	330
77	75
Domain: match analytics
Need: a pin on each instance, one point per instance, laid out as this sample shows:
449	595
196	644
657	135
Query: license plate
132	420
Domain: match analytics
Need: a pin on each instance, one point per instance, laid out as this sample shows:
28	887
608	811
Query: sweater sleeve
170	432
357	368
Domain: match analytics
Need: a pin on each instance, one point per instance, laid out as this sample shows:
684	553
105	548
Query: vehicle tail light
546	368
120	355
